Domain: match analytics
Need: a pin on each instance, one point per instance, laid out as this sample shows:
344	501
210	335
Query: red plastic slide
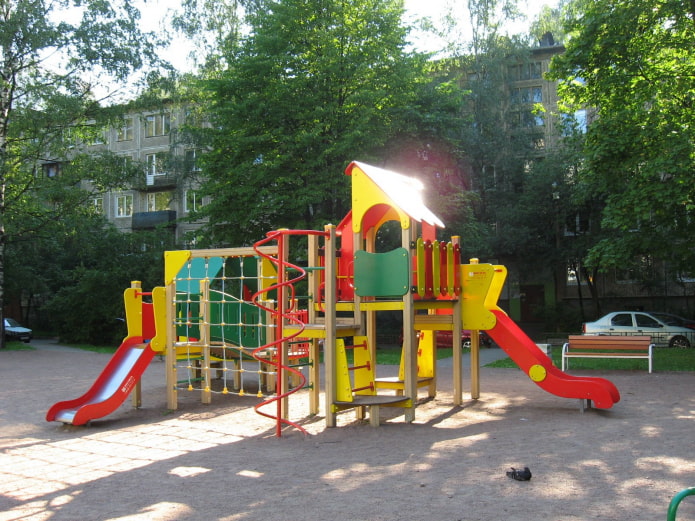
529	357
111	388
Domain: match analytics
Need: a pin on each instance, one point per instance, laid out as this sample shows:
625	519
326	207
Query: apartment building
166	193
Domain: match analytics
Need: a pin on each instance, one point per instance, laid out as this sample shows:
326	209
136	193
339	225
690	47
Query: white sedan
641	323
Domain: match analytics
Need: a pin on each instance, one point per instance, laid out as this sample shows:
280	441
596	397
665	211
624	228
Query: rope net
218	327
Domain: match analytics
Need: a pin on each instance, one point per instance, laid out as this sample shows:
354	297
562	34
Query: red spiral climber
284	312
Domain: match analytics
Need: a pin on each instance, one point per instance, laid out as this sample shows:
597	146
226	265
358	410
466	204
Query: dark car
14	331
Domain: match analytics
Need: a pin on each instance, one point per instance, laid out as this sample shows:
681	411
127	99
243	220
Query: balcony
150	220
158	181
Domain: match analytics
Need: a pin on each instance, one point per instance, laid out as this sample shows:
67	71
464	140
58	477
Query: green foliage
314	86
634	62
550	20
87	268
53	72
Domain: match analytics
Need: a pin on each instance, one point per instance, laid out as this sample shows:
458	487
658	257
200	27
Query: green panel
382	274
188	311
241	321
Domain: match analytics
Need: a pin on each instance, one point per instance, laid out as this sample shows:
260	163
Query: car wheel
679	341
466	343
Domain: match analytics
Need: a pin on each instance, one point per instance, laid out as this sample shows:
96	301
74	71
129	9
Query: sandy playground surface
222	461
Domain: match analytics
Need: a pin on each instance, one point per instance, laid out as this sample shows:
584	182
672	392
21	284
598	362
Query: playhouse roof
372	185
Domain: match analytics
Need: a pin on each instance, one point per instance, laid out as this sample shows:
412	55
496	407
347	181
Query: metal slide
541	370
110	389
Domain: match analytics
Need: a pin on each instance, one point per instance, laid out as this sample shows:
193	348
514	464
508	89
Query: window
525	71
645	321
622	319
157	125
577	224
536	95
158	201
155	163
98	205
574	275
194	201
125	133
51	169
124	205
525	119
640	270
522	95
191	161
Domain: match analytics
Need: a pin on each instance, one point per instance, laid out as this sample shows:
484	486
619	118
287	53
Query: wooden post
330	324
475	364
409	343
458	358
136	396
170	358
314	287
206	395
282	348
475	358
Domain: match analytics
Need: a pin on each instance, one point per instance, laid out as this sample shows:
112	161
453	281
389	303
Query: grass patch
664	359
109	350
18	346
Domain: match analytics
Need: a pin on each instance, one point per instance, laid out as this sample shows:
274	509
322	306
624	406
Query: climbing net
218	327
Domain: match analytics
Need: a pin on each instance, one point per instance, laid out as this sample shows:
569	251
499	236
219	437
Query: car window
622	319
646	321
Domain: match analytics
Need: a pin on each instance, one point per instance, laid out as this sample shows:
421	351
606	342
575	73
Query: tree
89	264
550	21
54	76
315	85
633	62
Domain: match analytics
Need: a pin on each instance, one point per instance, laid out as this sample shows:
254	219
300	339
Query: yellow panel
476	280
425	355
159	342
173	262
343	388
132	299
365	194
269	273
364	376
382	305
493	295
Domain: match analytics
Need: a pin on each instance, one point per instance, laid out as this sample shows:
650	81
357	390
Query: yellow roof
372	185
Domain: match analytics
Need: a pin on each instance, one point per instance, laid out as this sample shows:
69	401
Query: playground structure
233	321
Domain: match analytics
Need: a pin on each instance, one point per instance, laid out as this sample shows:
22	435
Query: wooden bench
607	346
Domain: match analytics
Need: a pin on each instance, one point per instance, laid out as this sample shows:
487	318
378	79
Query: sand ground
223	462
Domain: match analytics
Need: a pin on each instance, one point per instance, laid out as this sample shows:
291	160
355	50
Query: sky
154	10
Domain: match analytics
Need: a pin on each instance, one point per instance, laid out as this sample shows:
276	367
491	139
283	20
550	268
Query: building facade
165	194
